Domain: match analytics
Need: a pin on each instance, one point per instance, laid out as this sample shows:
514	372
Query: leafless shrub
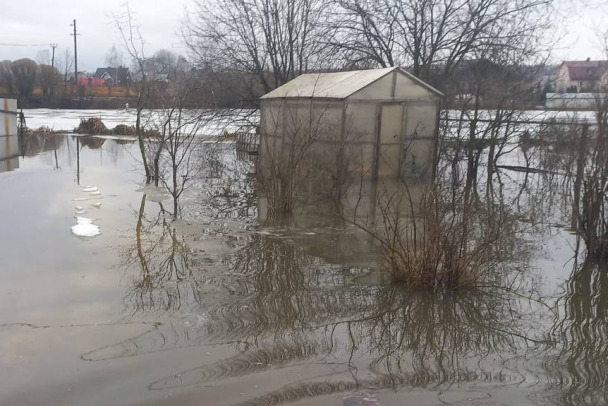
123	129
429	239
175	163
591	185
288	170
92	125
134	44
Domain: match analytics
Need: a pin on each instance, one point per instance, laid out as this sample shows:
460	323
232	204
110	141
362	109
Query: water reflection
287	310
166	280
35	144
92	142
579	368
296	308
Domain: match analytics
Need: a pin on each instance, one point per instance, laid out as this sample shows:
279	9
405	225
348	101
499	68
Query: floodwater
215	309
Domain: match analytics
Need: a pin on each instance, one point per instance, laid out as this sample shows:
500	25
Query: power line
5	44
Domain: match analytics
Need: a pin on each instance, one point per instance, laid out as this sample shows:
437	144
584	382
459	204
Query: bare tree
602	40
180	139
272	40
24	74
435	35
114	57
6	77
43	57
66	64
134	44
49	78
161	63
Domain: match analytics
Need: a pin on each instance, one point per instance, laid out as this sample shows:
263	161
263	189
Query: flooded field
106	300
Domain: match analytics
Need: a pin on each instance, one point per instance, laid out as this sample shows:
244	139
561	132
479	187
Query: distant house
582	76
85	79
119	76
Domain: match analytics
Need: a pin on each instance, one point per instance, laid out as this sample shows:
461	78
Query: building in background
582	76
119	76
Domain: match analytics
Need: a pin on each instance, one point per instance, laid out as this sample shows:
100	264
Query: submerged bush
435	240
43	130
92	125
123	129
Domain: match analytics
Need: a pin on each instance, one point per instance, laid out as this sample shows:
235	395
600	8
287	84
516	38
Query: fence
247	142
9	139
574	101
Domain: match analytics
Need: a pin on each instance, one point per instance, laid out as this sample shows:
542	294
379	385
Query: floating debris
85	228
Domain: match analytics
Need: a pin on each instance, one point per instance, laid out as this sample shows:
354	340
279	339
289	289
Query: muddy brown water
214	309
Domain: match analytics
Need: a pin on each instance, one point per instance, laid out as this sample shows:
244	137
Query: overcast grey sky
45	21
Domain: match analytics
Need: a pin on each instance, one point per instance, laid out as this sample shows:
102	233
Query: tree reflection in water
272	309
166	279
579	367
289	310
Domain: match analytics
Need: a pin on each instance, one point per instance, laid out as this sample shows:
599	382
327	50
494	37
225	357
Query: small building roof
121	73
337	85
586	70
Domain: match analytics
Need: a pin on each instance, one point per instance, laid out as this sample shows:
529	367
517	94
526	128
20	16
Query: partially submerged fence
248	142
9	138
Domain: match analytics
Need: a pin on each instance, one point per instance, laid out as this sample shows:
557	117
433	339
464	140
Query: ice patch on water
96	204
90	189
85	228
155	194
79	208
95	193
80	199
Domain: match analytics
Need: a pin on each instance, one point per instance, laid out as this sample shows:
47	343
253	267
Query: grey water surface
215	309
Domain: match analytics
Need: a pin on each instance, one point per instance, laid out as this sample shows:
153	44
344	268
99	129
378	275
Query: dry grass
123	129
44	130
92	125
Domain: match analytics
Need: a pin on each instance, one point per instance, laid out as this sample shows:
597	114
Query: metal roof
338	85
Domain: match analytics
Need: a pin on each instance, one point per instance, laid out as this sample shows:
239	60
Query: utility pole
75	53
53	46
